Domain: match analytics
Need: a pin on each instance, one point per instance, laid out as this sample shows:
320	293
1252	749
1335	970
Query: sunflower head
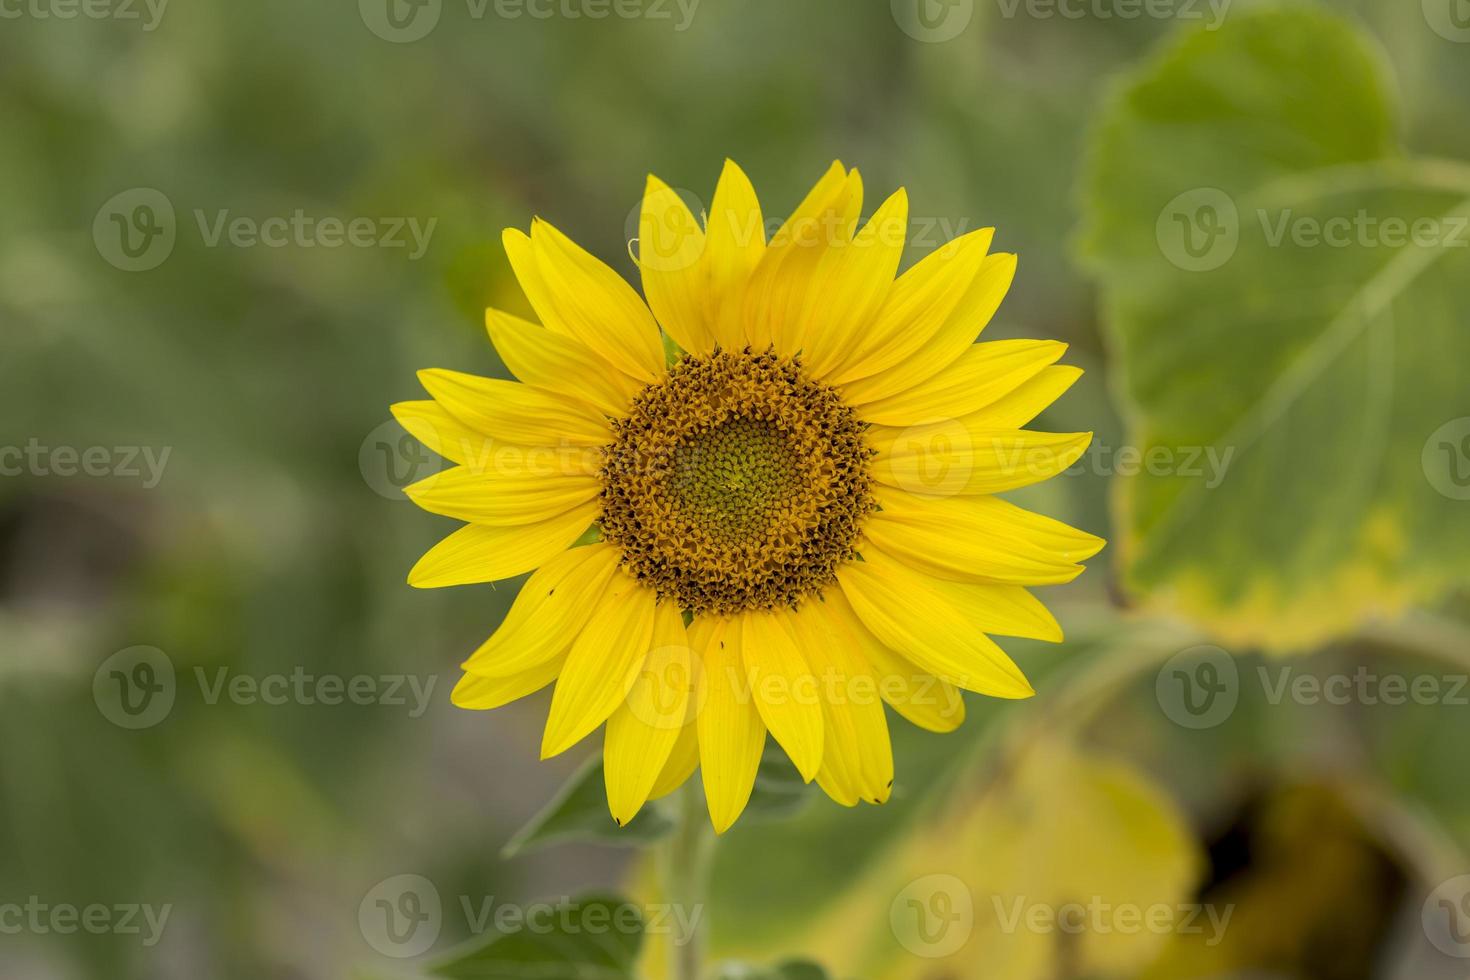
786	526
736	483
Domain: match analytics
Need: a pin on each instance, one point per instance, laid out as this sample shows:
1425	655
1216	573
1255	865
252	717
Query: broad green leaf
1285	294
579	813
779	791
592	938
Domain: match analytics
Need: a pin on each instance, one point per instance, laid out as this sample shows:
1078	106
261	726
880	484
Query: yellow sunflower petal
1021	406
682	761
523	263
603	665
948	458
923	699
548	612
502	494
565	365
908	612
983	374
1005	610
731	733
977	538
642	732
952	339
597	305
849	286
675	271
480	693
857	757
430	424
567	313
780	285
918	305
735	240
515	412
489	553
784	690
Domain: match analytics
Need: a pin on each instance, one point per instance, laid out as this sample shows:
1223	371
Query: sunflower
761	502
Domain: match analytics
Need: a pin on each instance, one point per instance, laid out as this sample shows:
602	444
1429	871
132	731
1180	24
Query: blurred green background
240	515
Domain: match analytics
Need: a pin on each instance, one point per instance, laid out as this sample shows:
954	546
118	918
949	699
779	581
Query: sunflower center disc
736	483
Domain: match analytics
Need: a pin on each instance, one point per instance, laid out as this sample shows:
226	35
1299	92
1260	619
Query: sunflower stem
685	861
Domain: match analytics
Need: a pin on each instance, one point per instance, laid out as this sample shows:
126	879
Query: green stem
685	863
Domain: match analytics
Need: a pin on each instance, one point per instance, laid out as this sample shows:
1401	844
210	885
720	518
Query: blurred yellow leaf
1068	865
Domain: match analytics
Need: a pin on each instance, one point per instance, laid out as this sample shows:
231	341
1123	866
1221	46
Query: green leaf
1305	396
579	812
779	790
592	938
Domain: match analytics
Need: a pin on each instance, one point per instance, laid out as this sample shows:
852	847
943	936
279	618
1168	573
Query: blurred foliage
1267	311
277	539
